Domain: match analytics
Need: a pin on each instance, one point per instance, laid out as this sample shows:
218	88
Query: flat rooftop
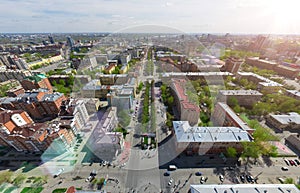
197	74
185	133
244	188
288	118
264	81
294	92
240	92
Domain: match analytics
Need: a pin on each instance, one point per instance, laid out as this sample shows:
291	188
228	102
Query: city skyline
232	16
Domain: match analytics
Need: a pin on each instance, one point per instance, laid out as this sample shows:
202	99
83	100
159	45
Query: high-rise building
70	42
51	39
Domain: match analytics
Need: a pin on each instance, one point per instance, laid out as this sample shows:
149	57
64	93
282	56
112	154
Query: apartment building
207	140
245	98
187	110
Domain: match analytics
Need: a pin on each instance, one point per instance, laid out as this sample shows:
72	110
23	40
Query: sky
189	16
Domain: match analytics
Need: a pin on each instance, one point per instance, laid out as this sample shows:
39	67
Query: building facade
289	122
223	115
187	110
38	104
246	98
207	140
36	82
20	132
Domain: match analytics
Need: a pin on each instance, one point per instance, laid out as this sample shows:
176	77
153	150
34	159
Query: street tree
19	180
5	177
124	118
231	152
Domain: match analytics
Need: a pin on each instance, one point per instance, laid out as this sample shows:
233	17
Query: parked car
202	179
170	182
221	177
297	161
281	180
93	173
286	161
242	177
167	173
292	162
89	179
250	179
284	168
198	174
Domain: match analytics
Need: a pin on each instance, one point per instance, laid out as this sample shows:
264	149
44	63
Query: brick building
20	132
293	93
38	104
207	140
264	85
289	122
246	98
13	92
36	82
269	65
187	110
232	65
223	115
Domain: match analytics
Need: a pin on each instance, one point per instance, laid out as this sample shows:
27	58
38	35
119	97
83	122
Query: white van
172	167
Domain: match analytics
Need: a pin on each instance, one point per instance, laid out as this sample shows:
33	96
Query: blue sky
211	16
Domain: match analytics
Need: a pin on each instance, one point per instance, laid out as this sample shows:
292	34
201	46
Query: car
170	182
284	168
249	178
167	173
172	167
198	174
58	172
230	168
93	173
221	177
242	177
281	180
90	178
202	179
286	161
292	163
297	161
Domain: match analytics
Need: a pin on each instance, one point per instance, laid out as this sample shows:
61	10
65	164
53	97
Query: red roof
71	190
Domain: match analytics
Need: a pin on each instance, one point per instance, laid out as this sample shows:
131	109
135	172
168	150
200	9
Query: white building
244	188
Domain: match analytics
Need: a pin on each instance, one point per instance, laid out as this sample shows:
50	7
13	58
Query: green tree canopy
124	118
231	152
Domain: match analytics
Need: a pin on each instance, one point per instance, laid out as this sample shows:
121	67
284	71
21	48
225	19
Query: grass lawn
2	187
32	190
10	189
60	190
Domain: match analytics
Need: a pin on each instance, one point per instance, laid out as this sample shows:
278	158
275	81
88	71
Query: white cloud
110	15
